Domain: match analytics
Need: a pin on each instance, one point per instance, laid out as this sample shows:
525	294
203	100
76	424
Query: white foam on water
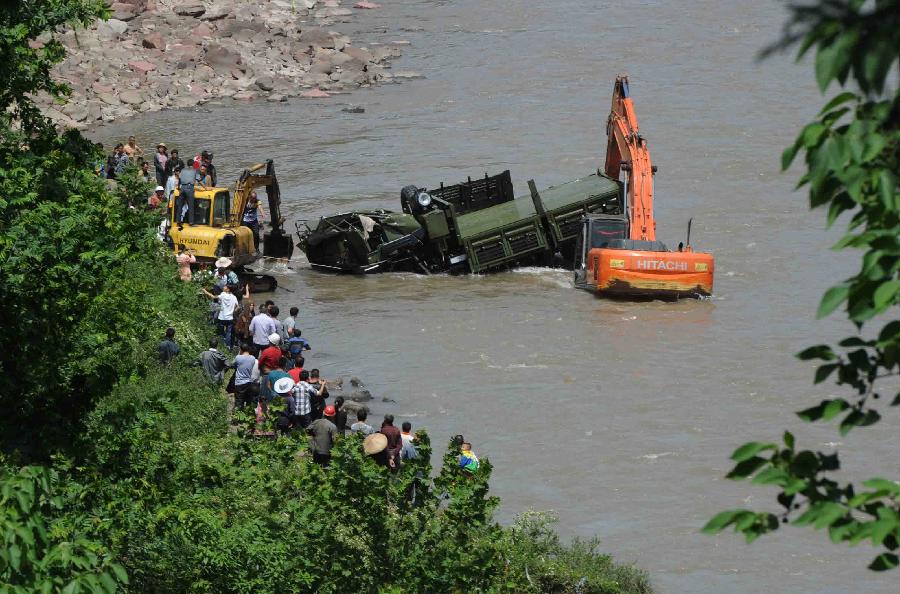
655	456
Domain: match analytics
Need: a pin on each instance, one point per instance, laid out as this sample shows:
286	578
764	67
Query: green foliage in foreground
853	162
183	504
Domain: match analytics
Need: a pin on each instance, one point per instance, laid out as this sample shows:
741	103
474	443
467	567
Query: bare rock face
154	40
158	54
193	10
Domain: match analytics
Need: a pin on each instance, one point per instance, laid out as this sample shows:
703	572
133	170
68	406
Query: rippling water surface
618	416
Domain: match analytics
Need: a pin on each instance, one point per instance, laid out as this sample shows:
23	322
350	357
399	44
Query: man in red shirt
395	441
294	372
269	357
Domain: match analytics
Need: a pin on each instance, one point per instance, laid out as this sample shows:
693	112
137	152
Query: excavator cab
597	231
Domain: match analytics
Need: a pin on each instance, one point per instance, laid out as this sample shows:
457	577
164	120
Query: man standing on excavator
251	216
185	196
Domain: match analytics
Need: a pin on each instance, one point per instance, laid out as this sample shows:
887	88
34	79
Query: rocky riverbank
158	54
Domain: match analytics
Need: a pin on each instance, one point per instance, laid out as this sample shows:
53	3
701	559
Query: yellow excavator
218	231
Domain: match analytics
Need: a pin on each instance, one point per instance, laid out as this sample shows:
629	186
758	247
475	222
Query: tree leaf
824	371
832	299
722	520
748	450
886	294
839	100
884	562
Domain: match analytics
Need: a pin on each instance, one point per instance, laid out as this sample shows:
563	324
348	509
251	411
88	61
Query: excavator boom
276	243
626	150
620	254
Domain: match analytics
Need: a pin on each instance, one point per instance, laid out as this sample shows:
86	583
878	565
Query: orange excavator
619	254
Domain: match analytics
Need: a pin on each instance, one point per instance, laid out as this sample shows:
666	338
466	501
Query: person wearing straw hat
284	387
321	433
273	376
160	159
224	276
375	445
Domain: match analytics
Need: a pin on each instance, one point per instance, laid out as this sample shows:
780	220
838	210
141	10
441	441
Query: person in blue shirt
296	343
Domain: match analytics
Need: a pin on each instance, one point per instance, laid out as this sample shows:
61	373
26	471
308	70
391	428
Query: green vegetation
117	474
853	161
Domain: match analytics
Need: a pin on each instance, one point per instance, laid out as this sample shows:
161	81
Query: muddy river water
618	416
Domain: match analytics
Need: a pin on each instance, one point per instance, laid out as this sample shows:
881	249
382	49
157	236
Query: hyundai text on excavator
217	230
618	255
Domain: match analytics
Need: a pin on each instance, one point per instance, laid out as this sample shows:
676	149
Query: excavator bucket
277	244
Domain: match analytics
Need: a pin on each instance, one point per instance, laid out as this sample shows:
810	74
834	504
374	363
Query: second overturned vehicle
474	226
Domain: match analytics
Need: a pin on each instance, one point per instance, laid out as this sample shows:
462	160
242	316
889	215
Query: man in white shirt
225	318
261	326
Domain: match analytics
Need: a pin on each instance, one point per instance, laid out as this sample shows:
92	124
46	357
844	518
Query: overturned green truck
471	227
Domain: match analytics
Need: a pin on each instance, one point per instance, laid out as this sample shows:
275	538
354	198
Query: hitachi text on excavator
618	255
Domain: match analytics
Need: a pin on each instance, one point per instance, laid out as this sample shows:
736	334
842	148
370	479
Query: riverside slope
158	54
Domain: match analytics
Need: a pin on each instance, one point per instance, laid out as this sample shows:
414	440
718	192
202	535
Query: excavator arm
627	151
276	244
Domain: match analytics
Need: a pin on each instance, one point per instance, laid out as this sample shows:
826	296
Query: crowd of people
267	374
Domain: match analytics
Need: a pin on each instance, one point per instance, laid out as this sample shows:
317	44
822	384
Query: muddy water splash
618	416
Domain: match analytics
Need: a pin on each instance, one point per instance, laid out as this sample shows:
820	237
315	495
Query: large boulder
265	83
111	28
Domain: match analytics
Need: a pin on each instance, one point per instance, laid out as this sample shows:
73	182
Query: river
620	417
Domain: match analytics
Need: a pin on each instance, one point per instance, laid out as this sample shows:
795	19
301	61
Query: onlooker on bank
322	432
295	371
174	163
318	401
225	318
160	160
340	415
395	441
360	426
168	348
262	326
214	363
132	149
246	391
185	258
468	461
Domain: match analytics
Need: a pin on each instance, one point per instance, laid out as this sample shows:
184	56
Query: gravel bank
159	54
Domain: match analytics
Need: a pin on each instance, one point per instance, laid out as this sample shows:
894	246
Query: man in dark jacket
214	363
168	348
395	441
